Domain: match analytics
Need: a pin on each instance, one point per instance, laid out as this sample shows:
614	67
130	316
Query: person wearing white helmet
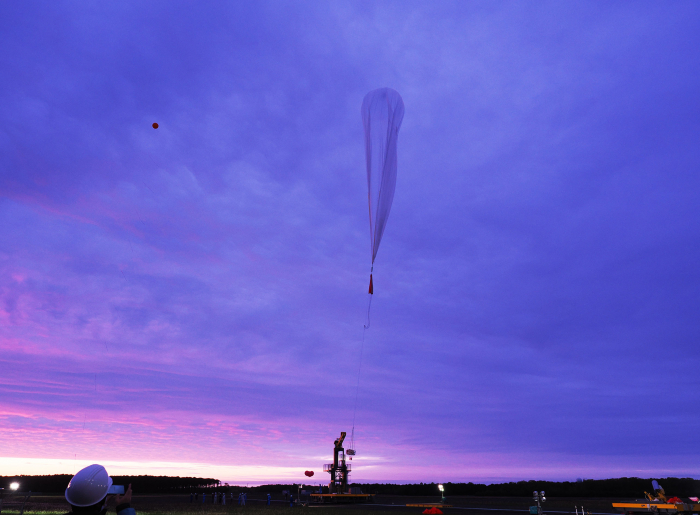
87	493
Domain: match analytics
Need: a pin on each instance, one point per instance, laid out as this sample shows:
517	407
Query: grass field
236	510
384	505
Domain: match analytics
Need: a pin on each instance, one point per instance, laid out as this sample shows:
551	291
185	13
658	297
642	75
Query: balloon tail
366	326
371	288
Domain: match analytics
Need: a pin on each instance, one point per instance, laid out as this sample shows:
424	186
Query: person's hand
126	498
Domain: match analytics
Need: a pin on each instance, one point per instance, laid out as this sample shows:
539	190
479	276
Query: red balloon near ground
309	473
155	126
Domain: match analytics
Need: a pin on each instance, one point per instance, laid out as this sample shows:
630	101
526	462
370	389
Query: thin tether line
359	370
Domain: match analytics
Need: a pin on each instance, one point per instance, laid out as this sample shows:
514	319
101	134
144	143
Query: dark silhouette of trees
628	487
625	487
142	484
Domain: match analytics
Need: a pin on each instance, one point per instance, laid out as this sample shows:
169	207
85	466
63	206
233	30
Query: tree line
630	487
57	483
626	487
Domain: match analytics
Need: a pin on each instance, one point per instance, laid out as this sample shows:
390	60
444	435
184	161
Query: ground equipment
338	470
657	502
338	487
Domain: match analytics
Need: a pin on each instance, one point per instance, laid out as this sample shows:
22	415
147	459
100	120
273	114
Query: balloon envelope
309	473
382	114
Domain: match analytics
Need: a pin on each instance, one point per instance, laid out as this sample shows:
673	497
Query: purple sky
190	300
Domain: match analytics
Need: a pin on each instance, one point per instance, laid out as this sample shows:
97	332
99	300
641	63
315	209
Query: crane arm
339	441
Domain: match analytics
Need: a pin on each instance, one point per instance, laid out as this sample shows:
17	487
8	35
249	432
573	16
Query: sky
190	300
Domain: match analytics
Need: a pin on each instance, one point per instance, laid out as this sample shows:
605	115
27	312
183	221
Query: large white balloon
382	114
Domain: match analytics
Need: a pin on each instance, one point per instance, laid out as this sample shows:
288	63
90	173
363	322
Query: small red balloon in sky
155	125
309	473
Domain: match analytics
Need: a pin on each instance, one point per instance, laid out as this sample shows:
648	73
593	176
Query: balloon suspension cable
359	369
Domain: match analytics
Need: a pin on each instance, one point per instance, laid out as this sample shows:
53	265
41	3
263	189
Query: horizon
251	484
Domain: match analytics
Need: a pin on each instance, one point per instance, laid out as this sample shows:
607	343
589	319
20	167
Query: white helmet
89	486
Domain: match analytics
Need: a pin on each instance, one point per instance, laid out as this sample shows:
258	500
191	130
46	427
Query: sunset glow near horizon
190	300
